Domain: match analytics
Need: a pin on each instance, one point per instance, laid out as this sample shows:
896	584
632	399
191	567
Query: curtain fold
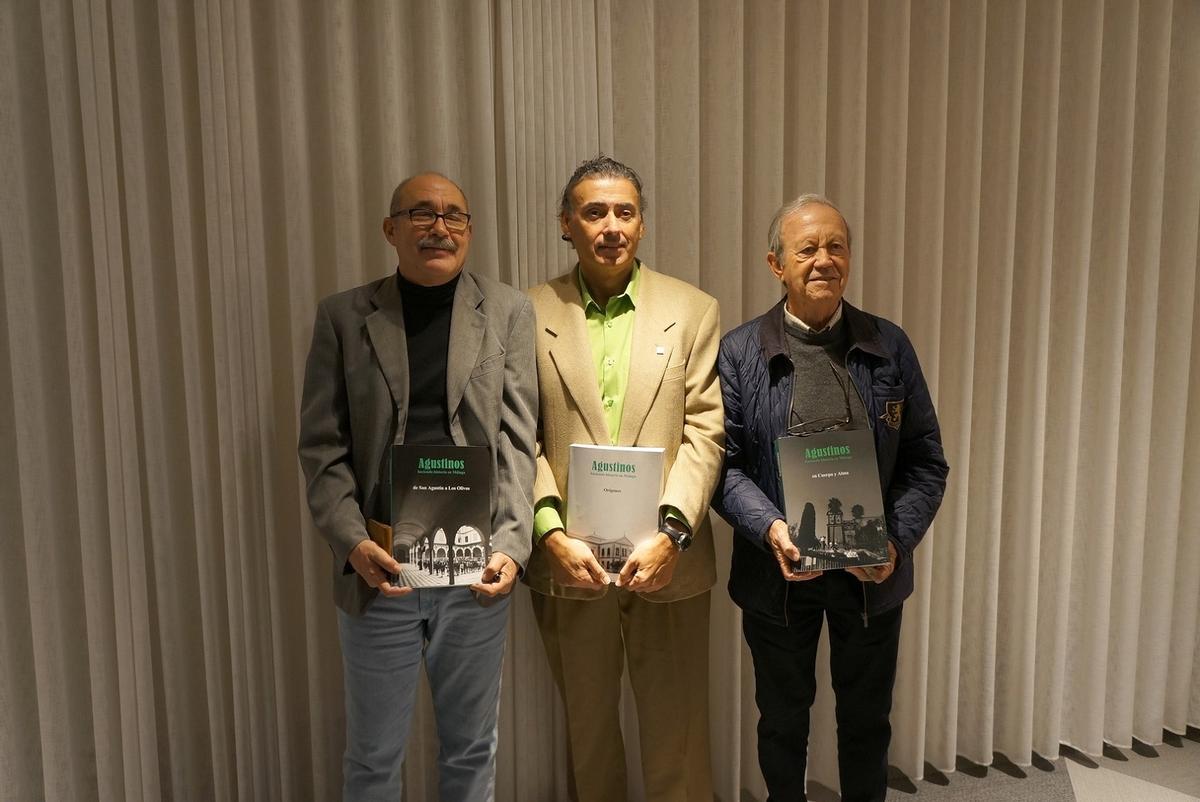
180	183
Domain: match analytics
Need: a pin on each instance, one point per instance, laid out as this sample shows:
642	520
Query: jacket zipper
787	586
861	400
870	427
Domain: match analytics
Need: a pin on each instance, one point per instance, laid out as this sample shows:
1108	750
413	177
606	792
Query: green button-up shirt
610	332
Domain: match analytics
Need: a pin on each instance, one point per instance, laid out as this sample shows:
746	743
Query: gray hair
601	166
774	233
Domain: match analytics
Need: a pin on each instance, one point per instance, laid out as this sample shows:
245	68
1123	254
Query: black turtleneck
427	331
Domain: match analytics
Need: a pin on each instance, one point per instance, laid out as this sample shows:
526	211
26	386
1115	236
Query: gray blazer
355	402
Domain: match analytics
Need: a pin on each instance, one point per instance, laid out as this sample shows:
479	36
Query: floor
1166	773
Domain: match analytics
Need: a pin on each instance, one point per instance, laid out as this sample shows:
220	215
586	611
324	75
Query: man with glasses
814	363
433	355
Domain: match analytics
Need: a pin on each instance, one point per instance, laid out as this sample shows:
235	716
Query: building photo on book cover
441	514
834	508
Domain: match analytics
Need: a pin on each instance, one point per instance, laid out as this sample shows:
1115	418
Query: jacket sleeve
697	465
545	486
738	500
919	477
324	445
516	440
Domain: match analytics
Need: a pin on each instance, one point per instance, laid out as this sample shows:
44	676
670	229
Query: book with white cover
612	499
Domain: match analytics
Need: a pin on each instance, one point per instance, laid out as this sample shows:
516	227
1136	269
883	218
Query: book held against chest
441	514
832	499
612	499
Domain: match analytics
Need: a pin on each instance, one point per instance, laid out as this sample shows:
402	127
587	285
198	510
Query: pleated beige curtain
180	182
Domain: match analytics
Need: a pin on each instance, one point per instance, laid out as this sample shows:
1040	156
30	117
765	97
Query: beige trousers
666	647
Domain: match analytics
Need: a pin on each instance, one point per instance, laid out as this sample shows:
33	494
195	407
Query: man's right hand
786	553
572	562
373	564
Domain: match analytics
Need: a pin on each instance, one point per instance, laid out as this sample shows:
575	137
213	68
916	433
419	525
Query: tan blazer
673	401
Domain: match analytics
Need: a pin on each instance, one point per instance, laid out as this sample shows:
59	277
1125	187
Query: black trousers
863	668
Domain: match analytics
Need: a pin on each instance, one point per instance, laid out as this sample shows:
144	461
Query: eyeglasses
799	428
425	218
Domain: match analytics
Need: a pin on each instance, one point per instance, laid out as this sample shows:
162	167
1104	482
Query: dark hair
601	166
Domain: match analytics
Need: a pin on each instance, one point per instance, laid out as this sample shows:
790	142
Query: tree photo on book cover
843	541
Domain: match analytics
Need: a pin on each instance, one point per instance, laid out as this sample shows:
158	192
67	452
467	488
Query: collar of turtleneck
418	295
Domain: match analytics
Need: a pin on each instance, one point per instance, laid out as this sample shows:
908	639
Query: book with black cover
441	514
832	499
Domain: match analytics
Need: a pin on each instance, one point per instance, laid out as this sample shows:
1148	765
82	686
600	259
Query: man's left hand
650	566
498	576
877	573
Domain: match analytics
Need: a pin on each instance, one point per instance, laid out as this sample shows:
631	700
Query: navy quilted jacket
756	383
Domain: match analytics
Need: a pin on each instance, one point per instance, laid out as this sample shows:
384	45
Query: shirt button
608	323
608	402
610	361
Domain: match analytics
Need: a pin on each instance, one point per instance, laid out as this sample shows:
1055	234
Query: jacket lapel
572	356
649	354
467	325
385	327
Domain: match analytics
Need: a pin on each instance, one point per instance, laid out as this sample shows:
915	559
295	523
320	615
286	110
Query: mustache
441	243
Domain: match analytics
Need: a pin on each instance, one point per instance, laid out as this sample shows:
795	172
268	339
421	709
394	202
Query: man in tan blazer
627	356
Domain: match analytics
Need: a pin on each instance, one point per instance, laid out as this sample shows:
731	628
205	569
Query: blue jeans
463	646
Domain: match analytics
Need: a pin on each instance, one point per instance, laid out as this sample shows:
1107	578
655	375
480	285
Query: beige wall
180	183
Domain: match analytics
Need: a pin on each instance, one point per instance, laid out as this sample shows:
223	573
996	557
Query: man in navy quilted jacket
814	363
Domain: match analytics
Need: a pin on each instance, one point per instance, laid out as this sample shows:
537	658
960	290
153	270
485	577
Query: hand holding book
572	562
375	565
877	573
786	553
498	576
650	566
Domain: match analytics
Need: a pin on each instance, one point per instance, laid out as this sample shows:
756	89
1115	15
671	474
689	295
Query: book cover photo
832	500
612	499
441	514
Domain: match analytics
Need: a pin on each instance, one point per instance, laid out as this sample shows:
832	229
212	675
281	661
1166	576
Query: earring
565	237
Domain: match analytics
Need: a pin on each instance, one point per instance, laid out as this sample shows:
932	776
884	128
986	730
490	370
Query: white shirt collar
837	315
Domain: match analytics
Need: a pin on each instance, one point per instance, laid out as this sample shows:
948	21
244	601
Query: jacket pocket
674	372
490	363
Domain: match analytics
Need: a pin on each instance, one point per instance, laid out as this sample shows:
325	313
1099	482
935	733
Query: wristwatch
678	531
